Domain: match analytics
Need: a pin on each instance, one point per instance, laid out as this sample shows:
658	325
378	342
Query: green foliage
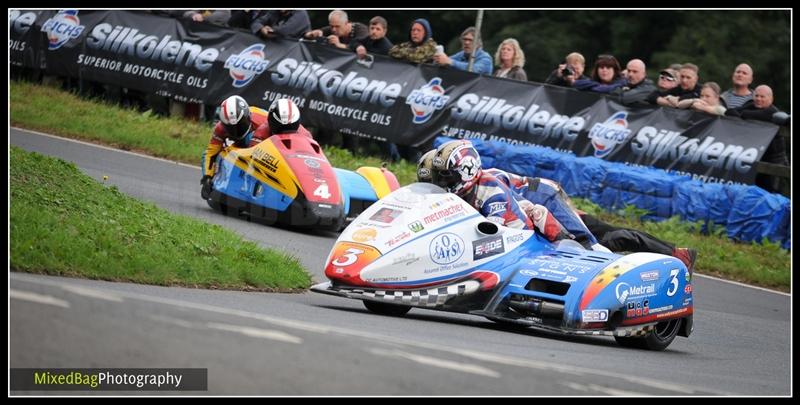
65	223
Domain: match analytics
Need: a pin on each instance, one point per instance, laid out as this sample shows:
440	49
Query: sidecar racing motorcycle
287	179
421	247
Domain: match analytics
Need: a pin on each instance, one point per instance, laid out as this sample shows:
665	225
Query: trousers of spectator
625	239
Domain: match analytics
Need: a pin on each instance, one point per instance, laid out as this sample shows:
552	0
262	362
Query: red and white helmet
456	166
234	113
284	116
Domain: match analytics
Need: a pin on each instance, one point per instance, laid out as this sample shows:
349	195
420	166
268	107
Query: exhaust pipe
543	309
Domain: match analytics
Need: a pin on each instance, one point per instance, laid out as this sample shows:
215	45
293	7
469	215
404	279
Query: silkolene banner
381	98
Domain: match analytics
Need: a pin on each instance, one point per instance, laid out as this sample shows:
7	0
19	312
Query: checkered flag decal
429	298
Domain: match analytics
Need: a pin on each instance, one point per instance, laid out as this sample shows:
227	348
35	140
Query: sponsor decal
661	309
248	64
687	289
302	156
447	214
385	215
61	28
529	273
398	238
594	315
607	135
364	235
426	100
416	226
446	248
311	163
570	279
624	291
649	275
688	276
487	247
447	267
20	22
687	301
515	238
309	77
406	259
546	270
496	207
531	119
653	144
672	313
635	309
265	159
126	40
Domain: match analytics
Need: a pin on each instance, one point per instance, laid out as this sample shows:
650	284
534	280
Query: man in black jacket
376	42
638	86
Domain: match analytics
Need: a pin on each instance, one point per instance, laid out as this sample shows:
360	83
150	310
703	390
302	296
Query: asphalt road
311	344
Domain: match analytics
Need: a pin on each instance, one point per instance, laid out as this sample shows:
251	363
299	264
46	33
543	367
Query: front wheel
658	339
386	309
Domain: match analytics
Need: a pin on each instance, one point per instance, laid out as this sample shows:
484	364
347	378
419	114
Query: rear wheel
657	339
386	309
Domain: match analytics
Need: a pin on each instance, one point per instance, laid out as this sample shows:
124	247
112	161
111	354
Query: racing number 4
322	191
350	256
673	281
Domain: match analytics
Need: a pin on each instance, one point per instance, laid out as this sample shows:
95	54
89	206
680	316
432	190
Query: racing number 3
673	281
347	258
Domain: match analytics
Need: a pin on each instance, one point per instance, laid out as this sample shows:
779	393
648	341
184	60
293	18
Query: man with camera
568	72
340	31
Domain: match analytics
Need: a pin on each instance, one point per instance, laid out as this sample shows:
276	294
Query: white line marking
257	332
106	147
92	293
742	284
306	326
173	321
38	298
435	362
594	387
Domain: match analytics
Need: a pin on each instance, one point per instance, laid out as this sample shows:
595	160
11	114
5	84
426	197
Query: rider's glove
205	192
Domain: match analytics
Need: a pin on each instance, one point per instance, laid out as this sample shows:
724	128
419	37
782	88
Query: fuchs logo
62	27
607	135
244	66
426	100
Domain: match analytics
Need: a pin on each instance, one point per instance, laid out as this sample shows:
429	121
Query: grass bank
66	223
183	140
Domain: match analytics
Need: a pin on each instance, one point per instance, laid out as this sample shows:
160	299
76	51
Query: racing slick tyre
386	309
657	340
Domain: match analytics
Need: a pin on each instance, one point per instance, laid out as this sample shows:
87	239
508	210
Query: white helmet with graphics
424	167
284	116
234	113
456	167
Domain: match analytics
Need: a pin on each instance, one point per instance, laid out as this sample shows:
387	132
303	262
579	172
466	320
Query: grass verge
66	223
763	264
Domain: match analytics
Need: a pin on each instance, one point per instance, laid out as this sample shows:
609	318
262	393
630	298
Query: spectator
376	42
243	18
216	17
637	86
741	92
569	71
482	61
667	80
340	31
709	101
510	59
281	24
759	108
605	76
688	87
420	48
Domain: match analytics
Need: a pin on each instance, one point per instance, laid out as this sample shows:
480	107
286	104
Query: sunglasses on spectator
667	78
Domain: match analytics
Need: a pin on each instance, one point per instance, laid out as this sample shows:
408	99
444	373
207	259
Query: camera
567	71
